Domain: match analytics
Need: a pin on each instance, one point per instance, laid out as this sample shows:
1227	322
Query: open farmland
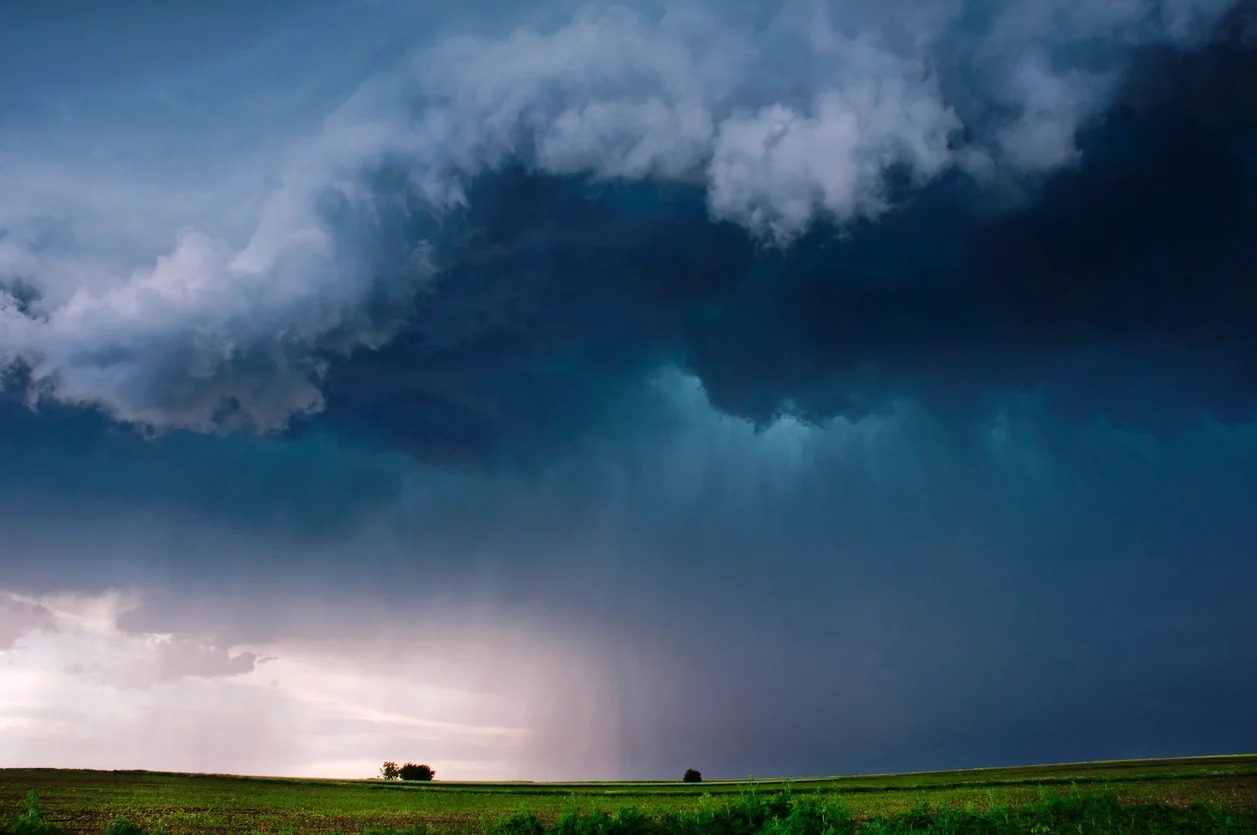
88	801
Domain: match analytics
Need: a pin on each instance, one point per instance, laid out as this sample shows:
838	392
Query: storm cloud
1114	288
1035	172
595	390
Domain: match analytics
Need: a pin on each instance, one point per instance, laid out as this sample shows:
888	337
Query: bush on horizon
416	771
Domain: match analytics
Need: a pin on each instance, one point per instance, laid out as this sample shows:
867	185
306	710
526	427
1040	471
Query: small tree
413	771
390	771
692	775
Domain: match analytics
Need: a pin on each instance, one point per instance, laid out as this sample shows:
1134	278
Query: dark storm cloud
774	152
1120	288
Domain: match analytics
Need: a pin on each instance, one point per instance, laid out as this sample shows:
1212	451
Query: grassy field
88	801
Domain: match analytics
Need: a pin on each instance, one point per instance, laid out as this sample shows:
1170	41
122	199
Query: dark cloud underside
1121	288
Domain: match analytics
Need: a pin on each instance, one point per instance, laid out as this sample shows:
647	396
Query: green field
88	801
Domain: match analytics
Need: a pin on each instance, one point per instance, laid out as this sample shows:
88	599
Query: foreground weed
122	826
523	822
820	815
32	821
626	821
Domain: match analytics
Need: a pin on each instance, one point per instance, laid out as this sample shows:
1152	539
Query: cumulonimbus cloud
810	113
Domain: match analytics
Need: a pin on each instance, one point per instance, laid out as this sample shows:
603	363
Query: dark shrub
413	771
693	775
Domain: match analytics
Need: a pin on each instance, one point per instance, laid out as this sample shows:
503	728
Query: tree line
407	771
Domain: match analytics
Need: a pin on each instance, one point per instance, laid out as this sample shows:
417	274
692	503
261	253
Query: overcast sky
596	391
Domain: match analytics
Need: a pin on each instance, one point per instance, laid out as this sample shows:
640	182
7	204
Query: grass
1132	796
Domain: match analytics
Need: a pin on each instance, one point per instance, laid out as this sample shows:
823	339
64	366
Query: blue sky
604	390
